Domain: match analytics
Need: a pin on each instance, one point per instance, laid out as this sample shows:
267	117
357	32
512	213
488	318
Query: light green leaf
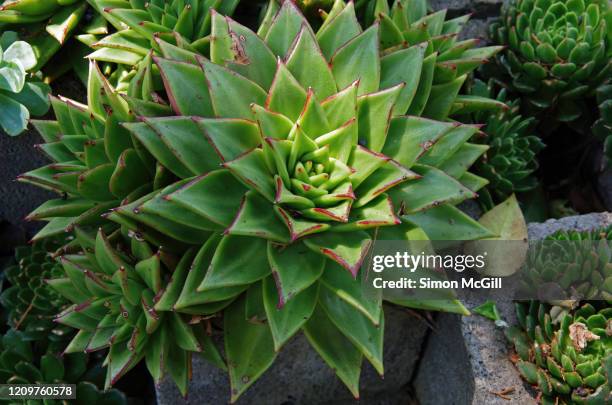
434	188
447	223
347	249
295	268
356	327
307	64
21	52
507	222
249	348
233	255
338	281
12	77
287	320
359	60
337	351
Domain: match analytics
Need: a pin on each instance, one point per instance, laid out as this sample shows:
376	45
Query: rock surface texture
469	356
299	375
19	155
483	12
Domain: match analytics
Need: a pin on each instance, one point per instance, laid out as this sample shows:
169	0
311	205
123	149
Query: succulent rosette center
317	168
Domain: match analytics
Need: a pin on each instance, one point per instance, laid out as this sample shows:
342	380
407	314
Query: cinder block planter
299	375
469	356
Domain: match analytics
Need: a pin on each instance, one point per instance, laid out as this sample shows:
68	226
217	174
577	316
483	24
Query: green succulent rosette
293	155
571	264
123	292
558	53
21	93
21	363
511	161
95	162
29	303
185	23
565	354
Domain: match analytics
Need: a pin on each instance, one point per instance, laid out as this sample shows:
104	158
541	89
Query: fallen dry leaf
503	394
581	335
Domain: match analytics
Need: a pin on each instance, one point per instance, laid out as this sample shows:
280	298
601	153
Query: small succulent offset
571	264
30	304
96	163
566	355
20	363
21	94
123	294
558	52
46	25
185	23
292	154
510	162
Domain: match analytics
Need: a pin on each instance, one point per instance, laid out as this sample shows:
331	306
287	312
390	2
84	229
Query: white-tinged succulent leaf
20	51
13	115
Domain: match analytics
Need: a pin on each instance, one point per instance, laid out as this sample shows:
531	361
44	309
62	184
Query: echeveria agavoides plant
292	154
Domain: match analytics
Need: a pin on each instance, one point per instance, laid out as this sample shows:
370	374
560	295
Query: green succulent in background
293	155
21	93
123	294
46	25
510	162
571	263
566	355
185	23
96	163
558	52
20	363
30	304
602	129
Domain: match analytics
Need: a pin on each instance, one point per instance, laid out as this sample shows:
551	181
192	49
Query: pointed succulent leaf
337	351
249	348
